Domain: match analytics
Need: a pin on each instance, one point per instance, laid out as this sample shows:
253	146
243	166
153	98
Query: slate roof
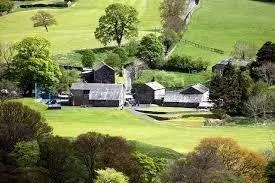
201	89
155	85
222	65
100	91
177	97
96	67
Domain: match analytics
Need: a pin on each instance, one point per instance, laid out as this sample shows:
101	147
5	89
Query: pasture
73	121
76	25
220	23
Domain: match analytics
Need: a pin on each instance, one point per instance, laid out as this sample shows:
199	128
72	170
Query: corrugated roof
199	87
155	85
182	98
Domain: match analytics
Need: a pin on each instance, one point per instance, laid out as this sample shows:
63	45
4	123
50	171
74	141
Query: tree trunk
46	28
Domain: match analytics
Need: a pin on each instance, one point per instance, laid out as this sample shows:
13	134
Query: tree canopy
33	64
43	19
120	21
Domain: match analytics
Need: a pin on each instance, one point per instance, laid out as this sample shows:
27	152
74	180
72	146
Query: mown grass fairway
73	121
219	23
76	25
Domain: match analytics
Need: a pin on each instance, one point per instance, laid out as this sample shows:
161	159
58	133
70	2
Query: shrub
113	60
88	59
185	64
132	48
111	175
122	53
6	5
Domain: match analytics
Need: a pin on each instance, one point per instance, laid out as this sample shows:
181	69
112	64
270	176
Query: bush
122	53
88	59
185	64
113	60
6	5
111	175
132	48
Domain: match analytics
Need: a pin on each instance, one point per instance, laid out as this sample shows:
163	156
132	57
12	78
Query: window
86	92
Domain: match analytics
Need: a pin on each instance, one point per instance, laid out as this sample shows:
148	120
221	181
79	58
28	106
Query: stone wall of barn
104	103
104	75
159	94
145	95
79	98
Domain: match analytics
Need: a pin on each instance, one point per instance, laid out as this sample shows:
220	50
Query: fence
197	45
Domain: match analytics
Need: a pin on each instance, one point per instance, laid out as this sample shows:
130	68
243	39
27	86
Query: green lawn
219	23
73	121
76	25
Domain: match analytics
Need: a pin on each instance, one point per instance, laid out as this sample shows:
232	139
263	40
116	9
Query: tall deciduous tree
120	21
33	64
43	19
19	123
171	12
244	50
150	49
264	68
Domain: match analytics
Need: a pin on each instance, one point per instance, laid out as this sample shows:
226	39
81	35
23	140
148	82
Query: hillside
219	23
76	25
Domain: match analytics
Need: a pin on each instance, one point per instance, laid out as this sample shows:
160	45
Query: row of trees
244	90
30	153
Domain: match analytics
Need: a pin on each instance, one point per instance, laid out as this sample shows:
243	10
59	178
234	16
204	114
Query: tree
231	90
67	78
169	39
120	21
88	147
88	59
122	54
244	50
240	161
150	49
150	166
6	5
113	60
20	123
171	12
270	171
110	175
258	105
43	19
7	53
27	153
264	68
58	156
33	64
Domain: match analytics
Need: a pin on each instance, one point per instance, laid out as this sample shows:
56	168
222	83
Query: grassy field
76	25
220	23
73	121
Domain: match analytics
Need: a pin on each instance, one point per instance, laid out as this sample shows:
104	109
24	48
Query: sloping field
76	25
72	121
220	23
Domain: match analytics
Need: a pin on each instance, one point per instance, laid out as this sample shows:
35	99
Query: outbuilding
195	96
220	67
149	93
97	94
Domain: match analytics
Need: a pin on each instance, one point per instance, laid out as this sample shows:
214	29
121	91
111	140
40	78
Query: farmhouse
149	93
100	74
195	96
219	68
97	94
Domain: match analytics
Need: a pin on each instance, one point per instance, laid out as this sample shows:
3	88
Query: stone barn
100	74
195	96
97	94
149	93
219	68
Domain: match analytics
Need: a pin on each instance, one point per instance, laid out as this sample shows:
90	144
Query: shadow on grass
266	1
